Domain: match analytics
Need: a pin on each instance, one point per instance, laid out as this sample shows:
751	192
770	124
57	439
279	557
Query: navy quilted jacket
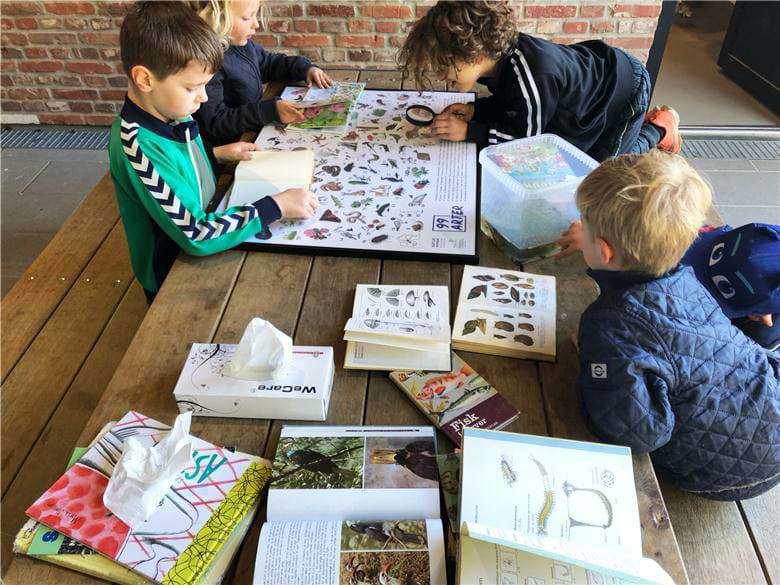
662	370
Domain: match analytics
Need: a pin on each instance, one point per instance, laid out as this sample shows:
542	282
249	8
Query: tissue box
303	394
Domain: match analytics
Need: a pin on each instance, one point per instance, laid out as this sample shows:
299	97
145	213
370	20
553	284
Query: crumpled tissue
144	474
264	353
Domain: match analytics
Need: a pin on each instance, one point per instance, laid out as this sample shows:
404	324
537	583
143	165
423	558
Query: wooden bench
310	298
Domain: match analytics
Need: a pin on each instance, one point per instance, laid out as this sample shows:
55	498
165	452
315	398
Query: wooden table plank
33	298
36	385
49	454
762	515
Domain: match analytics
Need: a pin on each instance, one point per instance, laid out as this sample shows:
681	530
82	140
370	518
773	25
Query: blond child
662	369
235	93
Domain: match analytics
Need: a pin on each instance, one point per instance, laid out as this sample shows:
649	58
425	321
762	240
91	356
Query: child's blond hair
648	207
217	14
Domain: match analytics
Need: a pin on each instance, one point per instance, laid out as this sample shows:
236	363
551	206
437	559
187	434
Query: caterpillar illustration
544	513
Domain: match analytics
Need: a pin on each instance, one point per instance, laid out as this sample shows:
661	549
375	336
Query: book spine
492	413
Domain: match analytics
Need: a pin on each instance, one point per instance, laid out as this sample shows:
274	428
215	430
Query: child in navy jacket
235	92
593	95
662	368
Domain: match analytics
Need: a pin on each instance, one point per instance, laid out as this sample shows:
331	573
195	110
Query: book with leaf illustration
456	399
353	505
506	312
326	109
534	506
399	327
269	172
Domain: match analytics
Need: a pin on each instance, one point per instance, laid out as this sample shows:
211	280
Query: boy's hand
463	111
318	77
296	203
235	152
288	112
447	126
765	319
570	240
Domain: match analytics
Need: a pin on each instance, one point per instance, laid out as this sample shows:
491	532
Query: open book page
270	172
505	311
354	473
491	555
570	490
401	316
345	553
324	108
370	356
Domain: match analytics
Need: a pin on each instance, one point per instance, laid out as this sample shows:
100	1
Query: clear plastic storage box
528	188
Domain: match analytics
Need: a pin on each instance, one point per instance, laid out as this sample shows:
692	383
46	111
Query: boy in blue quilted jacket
662	369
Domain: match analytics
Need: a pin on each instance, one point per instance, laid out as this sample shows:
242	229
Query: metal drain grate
56	139
724	148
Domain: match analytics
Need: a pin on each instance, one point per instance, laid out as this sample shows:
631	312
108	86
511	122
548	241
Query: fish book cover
193	524
456	399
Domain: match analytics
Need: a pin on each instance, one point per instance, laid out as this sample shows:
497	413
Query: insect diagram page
390	552
568	490
384	185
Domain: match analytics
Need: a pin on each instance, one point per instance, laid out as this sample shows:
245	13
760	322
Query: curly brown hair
456	32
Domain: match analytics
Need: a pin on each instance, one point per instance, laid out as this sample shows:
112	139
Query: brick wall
60	59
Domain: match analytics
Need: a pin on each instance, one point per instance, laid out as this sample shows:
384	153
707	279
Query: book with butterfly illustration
506	312
197	527
534	506
399	327
456	399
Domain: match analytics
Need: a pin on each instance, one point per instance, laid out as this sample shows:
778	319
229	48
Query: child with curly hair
591	94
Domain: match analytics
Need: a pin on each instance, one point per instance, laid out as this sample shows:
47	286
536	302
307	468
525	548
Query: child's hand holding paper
296	203
289	113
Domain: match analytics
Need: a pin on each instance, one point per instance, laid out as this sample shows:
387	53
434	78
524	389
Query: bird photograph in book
397	462
384	535
385	568
319	463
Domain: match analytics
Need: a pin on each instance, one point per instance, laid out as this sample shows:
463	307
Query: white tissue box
302	394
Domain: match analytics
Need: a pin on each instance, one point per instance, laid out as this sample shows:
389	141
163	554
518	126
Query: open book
185	540
532	506
353	505
506	312
397	327
270	172
325	109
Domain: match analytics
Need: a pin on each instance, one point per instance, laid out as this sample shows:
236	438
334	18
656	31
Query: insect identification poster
385	187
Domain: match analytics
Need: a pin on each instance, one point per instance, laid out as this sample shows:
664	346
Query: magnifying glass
420	115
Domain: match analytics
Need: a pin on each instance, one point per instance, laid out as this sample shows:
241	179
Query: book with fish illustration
354	473
534	506
269	172
456	399
198	526
506	312
399	327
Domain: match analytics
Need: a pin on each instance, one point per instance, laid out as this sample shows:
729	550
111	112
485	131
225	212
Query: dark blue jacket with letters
235	91
662	370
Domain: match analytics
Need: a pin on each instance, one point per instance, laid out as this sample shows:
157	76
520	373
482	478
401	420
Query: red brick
69	7
279	25
550	11
279	9
83	107
644	26
10	106
632	42
50	22
52	38
305	25
575	27
313	55
87	67
636	10
110	53
297	10
114	8
99	119
27	93
549	27
105	107
420	11
7	24
101	23
117	81
385	56
341	10
294	40
69	80
358	25
387	26
6	81
14	39
40	66
11	53
26	23
87	53
360	41
74	23
397	42
100	38
61	118
7	66
75	94
33	105
266	40
386	10
112	94
36	53
95	80
16	8
333	26
591	11
359	55
334	55
602	26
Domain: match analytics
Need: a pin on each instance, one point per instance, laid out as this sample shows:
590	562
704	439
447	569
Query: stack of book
395	327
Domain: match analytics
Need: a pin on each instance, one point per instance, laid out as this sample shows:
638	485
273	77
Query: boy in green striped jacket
161	169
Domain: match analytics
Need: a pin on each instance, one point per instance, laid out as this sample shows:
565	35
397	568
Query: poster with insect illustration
506	312
385	187
552	488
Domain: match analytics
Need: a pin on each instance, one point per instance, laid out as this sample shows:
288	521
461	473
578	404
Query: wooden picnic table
211	299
